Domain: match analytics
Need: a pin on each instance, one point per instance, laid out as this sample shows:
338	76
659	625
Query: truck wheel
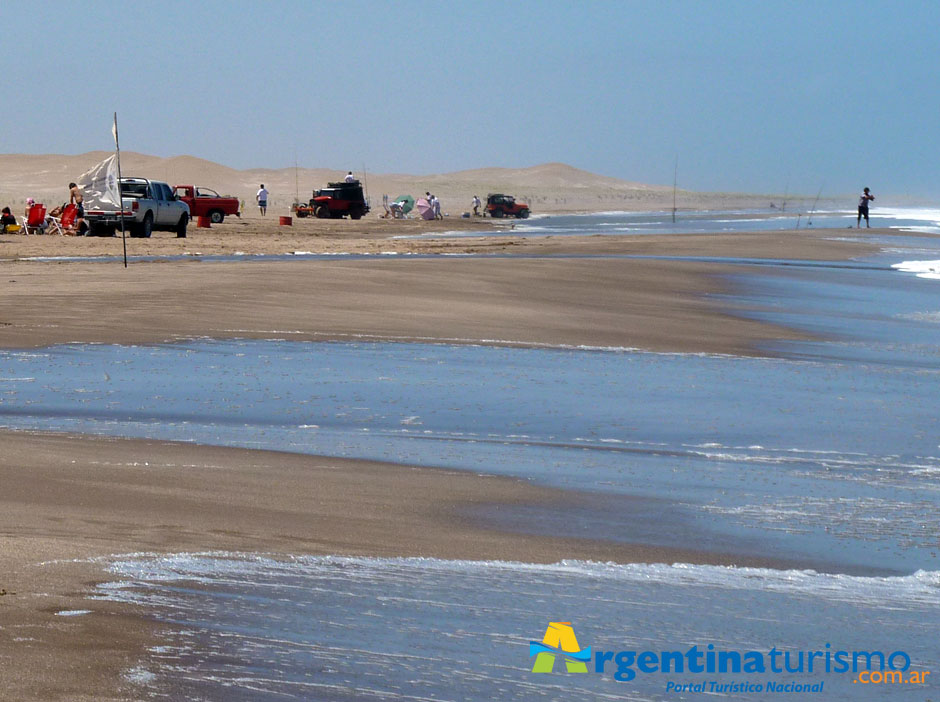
145	228
181	227
322	212
355	213
523	214
496	213
216	216
300	212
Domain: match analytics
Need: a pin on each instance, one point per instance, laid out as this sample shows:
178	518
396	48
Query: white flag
99	185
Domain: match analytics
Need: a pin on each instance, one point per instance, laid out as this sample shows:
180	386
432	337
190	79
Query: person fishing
863	201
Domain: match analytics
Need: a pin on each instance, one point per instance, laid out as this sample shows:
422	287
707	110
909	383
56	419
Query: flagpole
117	148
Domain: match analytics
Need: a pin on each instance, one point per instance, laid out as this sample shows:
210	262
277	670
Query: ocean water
826	455
918	219
809	460
254	628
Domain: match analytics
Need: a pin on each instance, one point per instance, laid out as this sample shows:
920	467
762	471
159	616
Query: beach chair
61	225
35	220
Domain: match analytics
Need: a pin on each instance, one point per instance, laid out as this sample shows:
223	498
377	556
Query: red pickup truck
204	202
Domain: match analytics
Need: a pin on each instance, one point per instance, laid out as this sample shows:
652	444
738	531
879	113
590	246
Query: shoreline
74	498
256	236
540	291
70	498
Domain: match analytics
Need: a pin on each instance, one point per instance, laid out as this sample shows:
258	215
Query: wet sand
254	235
648	304
73	497
67	498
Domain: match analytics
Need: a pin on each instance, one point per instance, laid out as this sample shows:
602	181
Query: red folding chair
35	220
62	224
68	216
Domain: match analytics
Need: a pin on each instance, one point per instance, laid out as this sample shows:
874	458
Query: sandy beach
68	498
649	409
517	298
71	497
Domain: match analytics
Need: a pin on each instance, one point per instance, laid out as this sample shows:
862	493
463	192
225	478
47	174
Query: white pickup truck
147	205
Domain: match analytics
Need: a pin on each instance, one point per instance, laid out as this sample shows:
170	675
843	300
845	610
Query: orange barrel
286	222
204	222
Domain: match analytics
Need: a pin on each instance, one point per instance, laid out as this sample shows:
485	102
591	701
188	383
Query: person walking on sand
476	206
863	201
262	198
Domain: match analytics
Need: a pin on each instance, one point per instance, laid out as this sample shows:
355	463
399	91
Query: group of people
77	227
399	208
395	210
435	205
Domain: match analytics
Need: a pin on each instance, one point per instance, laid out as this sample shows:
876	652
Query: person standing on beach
262	198
476	206
436	207
77	198
863	208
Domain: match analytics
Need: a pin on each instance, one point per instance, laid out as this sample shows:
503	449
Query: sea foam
919	588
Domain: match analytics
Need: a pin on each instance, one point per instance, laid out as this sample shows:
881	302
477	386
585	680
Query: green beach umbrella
407	203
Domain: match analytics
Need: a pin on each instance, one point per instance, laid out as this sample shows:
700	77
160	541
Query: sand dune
550	187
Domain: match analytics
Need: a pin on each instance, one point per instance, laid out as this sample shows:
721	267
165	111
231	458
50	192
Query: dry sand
549	187
67	498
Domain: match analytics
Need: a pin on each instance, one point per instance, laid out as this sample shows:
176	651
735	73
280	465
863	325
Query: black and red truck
335	201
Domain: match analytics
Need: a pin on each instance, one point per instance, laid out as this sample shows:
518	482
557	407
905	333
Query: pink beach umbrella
424	209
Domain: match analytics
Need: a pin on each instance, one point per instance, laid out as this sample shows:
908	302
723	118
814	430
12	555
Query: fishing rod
809	222
675	183
365	183
296	180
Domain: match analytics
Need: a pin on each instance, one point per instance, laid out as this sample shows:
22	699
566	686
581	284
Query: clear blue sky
750	96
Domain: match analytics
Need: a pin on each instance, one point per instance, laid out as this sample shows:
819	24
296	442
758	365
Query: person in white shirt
262	198
476	206
436	206
350	178
863	201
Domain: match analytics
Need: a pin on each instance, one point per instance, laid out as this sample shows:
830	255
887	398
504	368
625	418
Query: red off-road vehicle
498	205
336	201
204	202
